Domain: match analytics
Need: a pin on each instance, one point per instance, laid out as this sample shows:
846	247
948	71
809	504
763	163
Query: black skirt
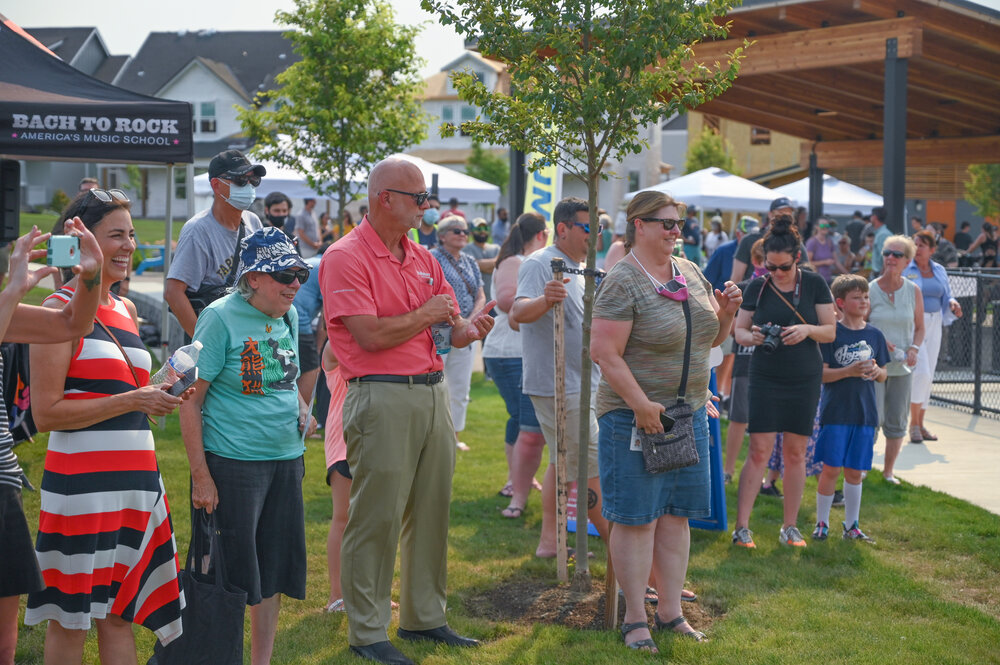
786	405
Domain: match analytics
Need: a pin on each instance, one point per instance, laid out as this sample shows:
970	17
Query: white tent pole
167	247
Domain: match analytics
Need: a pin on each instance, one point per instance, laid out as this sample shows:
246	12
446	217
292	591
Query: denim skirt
631	495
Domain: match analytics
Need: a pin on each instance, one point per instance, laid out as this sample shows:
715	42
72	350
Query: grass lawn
149	231
928	592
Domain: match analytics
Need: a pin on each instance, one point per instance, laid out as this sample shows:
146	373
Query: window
633	181
468	114
447	114
180	183
205	122
760	136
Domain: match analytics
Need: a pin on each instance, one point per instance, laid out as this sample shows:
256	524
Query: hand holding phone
185	382
64	251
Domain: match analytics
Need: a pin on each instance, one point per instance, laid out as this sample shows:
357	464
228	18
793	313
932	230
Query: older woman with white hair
462	272
715	237
242	428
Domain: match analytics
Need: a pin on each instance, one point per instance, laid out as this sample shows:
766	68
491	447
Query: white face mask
241	197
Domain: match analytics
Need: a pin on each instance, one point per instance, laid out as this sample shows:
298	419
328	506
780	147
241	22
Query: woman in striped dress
105	541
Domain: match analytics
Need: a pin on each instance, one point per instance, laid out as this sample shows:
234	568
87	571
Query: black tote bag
212	618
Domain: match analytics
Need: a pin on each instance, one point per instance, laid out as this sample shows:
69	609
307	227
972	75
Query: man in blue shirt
720	264
308	303
692	236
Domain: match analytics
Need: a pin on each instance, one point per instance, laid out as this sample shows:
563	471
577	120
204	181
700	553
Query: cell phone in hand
183	383
63	251
667	422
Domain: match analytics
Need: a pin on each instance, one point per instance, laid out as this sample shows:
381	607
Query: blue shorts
506	375
848	446
630	495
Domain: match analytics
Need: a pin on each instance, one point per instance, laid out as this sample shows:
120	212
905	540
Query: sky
124	24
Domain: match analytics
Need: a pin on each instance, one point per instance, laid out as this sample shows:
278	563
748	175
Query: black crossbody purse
674	449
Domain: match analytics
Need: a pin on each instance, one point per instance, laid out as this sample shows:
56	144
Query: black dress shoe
443	634
382	652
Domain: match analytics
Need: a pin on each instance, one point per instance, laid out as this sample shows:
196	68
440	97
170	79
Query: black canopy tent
49	110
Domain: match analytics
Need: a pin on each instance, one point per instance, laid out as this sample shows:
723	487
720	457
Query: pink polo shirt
359	276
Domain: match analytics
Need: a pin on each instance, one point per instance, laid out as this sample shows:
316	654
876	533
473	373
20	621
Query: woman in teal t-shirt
243	427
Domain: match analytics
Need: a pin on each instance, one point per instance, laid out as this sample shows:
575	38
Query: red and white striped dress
105	540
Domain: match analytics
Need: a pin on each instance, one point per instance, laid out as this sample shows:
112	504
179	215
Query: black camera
772	337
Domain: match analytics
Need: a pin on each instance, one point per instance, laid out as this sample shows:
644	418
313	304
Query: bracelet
915	347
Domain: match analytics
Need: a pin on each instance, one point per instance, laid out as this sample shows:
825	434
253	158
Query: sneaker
838	499
790	536
821	531
855	533
771	490
743	537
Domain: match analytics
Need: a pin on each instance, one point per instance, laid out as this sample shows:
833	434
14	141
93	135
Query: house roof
436	85
110	68
246	60
64	42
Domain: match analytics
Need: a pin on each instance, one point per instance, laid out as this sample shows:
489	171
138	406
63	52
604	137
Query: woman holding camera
639	337
105	542
787	313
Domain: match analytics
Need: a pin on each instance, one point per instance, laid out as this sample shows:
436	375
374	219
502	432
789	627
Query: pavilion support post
518	183
815	189
894	137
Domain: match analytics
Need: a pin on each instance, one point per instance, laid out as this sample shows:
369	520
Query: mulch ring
534	601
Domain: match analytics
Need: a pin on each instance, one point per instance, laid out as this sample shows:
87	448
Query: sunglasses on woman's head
893	252
109	195
770	267
242	179
288	276
668	224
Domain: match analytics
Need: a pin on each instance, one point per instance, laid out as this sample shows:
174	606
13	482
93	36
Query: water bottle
441	333
182	360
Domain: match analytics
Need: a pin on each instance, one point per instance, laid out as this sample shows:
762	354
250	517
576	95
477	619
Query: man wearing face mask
485	253
205	261
277	210
426	234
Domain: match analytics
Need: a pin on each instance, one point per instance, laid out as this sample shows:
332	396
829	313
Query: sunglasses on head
668	224
586	226
893	252
109	195
770	267
418	197
241	179
288	276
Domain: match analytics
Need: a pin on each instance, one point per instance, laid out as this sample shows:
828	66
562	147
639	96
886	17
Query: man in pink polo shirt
381	295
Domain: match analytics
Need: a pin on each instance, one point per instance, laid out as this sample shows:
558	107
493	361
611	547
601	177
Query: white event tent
715	188
294	184
839	197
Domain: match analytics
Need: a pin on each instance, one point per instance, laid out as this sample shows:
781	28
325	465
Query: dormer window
205	121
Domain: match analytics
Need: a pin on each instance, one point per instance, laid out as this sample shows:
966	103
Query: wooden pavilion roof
816	71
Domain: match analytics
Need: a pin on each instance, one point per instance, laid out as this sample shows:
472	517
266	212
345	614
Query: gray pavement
964	462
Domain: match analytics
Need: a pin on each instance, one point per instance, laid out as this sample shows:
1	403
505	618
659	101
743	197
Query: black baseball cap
233	162
781	202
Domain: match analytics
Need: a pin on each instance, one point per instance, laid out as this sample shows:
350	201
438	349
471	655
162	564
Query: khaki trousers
401	449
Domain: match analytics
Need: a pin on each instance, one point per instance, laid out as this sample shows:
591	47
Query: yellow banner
543	190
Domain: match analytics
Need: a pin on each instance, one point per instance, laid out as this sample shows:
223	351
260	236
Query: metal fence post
977	346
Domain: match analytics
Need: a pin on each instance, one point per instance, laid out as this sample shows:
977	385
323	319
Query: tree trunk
562	473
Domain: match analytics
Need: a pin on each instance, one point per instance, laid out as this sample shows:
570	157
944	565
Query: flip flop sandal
512	512
688	596
507	491
695	635
335	606
639	645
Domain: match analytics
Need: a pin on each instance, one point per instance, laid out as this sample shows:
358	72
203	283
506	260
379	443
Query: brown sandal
512	512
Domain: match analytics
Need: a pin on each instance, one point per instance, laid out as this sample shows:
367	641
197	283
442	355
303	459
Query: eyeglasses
668	224
288	276
586	227
482	229
893	252
770	267
419	197
241	179
109	195
463	232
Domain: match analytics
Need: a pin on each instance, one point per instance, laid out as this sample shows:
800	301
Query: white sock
823	503
852	503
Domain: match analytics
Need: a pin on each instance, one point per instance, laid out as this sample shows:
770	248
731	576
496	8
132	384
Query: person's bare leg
508	452
761	444
671	547
115	641
916	415
794	455
263	628
547	541
892	447
8	629
63	646
734	442
632	553
525	459
340	492
594	507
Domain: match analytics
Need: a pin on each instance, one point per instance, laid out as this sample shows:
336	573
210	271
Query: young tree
350	101
983	189
585	77
710	149
487	167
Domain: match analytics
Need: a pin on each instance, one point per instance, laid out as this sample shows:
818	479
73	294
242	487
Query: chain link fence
968	371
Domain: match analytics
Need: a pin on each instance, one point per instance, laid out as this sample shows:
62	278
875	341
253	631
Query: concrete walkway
964	462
